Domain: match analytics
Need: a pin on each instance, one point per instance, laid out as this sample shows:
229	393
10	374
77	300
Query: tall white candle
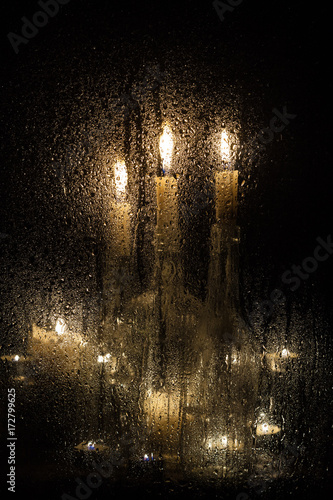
226	184
166	191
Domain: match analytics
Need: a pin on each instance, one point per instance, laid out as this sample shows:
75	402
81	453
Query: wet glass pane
165	243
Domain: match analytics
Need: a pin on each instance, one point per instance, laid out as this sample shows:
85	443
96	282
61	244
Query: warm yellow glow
55	336
225	147
92	445
104	359
224	441
60	326
277	360
17	357
267	429
162	410
166	148
285	353
120	175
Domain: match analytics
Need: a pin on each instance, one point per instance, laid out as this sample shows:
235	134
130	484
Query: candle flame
225	147
91	445
103	359
224	441
60	326
120	174
267	429
166	147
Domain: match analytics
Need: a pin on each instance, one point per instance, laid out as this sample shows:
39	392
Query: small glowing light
60	326
120	175
285	353
104	359
166	147
267	429
225	147
17	357
91	445
224	441
146	458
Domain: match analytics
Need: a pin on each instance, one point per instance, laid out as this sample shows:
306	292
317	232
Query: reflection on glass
181	375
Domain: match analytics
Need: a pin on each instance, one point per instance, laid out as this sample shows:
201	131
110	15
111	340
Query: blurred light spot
60	326
166	147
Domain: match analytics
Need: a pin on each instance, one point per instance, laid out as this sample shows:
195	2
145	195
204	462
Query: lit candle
121	212
226	183
286	354
60	326
166	190
267	429
224	441
103	359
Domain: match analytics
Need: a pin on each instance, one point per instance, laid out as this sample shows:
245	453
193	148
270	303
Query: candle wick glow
60	326
225	148
166	148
